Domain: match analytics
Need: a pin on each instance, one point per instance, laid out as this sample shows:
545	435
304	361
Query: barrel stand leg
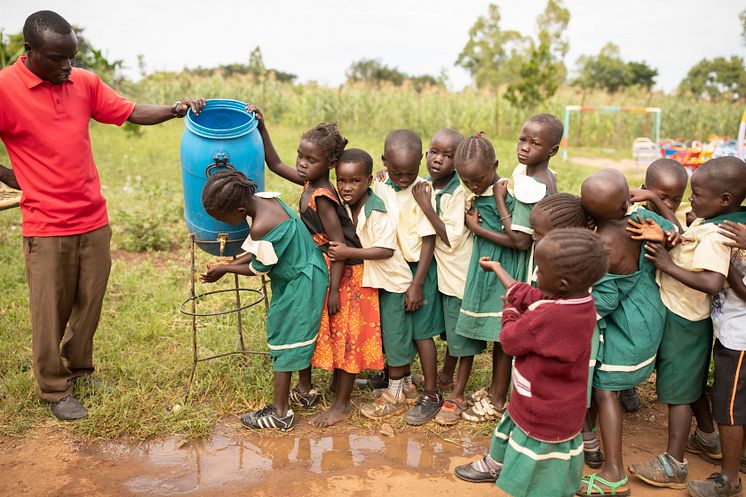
192	294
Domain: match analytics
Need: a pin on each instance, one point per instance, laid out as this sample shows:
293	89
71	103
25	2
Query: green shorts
532	468
683	359
427	321
396	329
458	345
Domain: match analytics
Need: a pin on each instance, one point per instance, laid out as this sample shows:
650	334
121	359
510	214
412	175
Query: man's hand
196	104
646	230
422	194
8	177
734	231
338	251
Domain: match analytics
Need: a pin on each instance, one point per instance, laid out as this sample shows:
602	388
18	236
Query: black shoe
373	381
467	473
304	399
425	408
629	400
593	458
267	418
69	409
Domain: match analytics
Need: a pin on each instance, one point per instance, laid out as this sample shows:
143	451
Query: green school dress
631	321
299	280
481	309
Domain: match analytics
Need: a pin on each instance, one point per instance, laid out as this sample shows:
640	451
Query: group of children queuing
582	298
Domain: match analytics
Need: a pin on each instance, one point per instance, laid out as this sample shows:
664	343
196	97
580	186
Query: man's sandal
483	409
593	488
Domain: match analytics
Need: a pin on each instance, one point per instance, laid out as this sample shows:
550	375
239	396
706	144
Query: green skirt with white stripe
531	468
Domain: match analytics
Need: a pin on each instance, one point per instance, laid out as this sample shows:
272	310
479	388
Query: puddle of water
174	467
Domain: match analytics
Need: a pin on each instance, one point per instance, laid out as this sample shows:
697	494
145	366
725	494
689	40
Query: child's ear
383	160
726	199
370	180
554	150
242	211
564	285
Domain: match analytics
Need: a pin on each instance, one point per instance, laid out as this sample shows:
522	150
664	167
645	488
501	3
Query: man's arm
156	114
8	177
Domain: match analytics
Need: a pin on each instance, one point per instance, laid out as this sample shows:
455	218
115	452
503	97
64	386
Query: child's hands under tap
215	271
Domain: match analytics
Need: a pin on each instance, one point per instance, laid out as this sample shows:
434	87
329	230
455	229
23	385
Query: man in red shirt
45	110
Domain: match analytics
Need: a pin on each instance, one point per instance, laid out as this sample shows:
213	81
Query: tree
493	56
374	71
608	71
538	79
717	79
552	25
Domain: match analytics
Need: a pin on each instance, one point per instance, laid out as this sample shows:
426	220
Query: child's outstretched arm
521	241
505	278
705	281
649	230
642	195
333	229
413	296
218	270
338	251
422	193
271	157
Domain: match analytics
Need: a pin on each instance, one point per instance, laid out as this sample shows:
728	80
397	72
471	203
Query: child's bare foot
332	416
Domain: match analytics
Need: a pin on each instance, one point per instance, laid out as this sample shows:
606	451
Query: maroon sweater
550	338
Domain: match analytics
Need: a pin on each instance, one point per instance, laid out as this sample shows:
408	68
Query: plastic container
222	135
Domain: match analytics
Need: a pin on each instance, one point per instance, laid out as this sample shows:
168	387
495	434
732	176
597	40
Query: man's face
52	59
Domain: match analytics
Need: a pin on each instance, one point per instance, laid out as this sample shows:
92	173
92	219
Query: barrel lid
221	119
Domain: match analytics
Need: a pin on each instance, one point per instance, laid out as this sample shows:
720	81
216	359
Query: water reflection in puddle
175	467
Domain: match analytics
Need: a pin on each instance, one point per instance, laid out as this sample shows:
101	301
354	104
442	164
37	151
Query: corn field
380	109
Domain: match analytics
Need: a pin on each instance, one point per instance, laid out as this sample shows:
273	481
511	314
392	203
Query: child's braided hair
565	210
579	256
476	147
327	137
226	191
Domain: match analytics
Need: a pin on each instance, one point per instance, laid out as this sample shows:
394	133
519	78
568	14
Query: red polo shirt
45	129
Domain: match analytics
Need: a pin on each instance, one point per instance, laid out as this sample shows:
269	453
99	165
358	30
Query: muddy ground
342	461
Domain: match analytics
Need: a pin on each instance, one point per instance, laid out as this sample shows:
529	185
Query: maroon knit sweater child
550	338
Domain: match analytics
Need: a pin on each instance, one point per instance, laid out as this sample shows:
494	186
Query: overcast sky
317	40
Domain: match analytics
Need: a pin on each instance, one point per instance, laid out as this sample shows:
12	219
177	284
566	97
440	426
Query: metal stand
192	300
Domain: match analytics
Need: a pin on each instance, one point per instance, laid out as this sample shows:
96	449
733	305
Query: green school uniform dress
631	321
481	309
299	280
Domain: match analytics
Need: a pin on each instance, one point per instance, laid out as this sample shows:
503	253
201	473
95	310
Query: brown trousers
67	278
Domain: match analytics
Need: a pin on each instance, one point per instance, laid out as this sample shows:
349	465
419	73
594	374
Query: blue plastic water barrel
222	135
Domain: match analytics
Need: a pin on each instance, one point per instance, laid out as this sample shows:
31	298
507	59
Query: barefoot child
343	333
688	277
631	316
417	316
453	247
536	447
279	246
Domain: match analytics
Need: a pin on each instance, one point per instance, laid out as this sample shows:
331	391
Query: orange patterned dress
349	340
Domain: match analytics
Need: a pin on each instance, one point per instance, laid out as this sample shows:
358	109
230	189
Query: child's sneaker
425	408
410	393
304	399
696	444
450	413
629	400
714	486
383	407
267	418
662	471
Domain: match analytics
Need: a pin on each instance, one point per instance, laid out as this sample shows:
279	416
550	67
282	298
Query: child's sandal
483	409
593	488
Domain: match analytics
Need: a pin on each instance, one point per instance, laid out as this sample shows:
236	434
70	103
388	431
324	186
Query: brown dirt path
343	461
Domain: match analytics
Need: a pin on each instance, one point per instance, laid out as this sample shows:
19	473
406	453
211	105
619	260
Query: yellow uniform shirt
376	228
411	223
453	262
705	251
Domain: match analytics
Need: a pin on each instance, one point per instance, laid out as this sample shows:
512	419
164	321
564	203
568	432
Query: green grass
143	344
